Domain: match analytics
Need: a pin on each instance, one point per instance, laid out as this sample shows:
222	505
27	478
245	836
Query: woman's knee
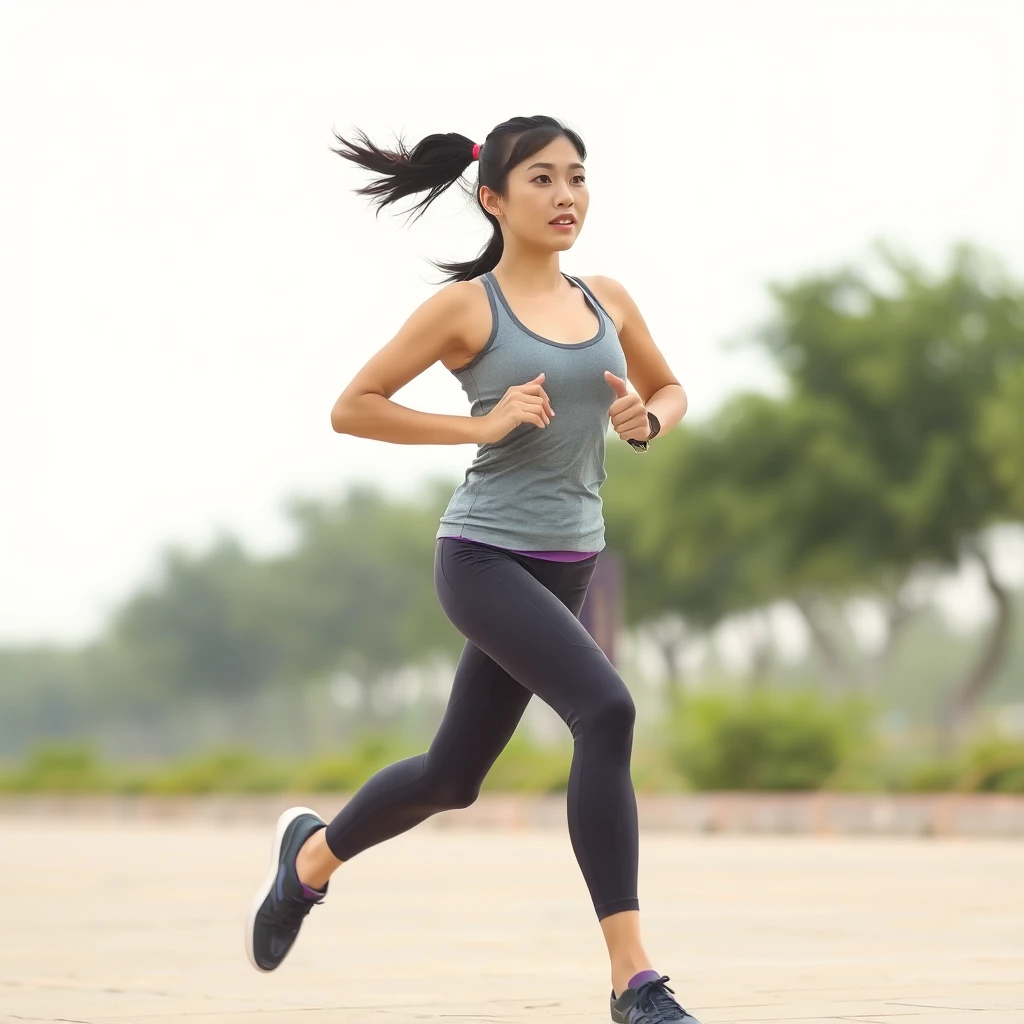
449	792
610	715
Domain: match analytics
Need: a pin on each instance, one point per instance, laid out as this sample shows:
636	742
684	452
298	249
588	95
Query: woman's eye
579	178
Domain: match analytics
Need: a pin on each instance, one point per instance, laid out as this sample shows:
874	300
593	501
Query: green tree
877	461
1003	433
695	545
197	629
357	591
901	379
672	592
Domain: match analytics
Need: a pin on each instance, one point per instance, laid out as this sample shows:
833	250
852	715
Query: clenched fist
628	413
522	403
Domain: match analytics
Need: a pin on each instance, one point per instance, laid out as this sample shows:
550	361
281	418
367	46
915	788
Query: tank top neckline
591	304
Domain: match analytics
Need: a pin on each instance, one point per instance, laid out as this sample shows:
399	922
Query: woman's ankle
315	863
623	974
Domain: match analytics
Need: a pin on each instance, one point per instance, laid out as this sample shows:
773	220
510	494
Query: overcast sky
188	280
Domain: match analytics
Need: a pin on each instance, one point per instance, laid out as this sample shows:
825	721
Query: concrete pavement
141	922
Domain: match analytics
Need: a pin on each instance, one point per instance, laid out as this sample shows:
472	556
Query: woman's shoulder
459	299
469	318
610	294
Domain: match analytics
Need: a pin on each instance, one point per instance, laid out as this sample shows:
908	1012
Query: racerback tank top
537	490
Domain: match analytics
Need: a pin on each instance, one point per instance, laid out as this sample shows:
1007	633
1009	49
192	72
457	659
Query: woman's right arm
437	328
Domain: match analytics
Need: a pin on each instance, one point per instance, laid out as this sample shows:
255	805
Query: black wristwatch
641	446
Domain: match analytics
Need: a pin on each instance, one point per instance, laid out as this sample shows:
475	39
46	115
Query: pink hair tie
476	150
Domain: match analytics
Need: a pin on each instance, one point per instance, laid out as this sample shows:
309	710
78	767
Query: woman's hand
628	412
522	403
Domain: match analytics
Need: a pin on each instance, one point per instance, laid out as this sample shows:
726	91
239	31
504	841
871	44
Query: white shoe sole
264	891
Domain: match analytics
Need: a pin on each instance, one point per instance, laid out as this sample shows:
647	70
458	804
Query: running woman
544	359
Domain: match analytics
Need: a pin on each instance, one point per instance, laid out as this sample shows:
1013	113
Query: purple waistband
548	556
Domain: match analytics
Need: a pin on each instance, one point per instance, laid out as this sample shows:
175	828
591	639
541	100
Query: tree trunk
764	651
837	672
670	650
961	703
671	637
899	616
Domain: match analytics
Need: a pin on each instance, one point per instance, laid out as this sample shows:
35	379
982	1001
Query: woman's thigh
522	614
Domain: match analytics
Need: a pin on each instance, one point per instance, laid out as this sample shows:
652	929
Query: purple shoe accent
308	892
642	978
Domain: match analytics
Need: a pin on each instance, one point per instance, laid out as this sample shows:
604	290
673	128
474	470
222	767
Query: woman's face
549	186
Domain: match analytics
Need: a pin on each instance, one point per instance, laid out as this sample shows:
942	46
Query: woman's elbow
339	417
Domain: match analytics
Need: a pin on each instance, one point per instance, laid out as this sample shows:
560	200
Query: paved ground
141	923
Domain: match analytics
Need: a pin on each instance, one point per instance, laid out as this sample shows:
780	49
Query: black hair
437	162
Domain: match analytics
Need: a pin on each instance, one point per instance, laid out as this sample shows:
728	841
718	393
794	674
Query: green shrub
527	767
347	771
521	767
768	740
55	767
224	771
989	765
653	768
864	775
931	776
994	765
342	773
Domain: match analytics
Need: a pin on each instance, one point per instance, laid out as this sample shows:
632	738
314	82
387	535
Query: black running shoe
649	1003
282	902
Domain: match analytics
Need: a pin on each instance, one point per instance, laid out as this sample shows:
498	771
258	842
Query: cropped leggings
523	637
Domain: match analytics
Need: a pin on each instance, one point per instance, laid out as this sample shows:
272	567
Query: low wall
821	814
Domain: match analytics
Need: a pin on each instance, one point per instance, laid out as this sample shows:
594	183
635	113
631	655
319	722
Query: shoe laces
292	910
654	1001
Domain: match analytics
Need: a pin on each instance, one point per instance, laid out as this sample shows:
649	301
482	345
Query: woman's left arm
646	368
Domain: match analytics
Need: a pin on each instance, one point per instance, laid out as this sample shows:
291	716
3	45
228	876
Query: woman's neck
529	272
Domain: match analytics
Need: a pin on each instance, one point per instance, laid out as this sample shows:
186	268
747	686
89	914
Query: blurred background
812	584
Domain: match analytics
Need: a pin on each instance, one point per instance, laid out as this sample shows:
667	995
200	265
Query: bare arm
364	409
647	369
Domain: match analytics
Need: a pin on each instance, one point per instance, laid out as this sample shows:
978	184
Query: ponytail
433	166
438	161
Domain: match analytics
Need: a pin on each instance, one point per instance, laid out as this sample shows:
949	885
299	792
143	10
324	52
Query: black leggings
520	618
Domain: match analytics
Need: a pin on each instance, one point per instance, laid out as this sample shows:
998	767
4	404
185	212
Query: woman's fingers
538	391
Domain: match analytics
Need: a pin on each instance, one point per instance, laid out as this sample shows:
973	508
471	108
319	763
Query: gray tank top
538	489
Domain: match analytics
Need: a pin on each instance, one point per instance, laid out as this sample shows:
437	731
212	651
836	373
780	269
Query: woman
543	358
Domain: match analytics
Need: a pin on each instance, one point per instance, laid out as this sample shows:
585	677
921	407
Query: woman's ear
490	201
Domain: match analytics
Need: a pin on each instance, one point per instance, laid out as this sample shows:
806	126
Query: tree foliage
895	446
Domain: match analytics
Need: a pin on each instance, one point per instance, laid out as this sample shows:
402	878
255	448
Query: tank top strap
579	282
492	287
499	317
498	302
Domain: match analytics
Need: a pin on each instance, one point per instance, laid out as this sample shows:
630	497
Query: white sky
187	280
